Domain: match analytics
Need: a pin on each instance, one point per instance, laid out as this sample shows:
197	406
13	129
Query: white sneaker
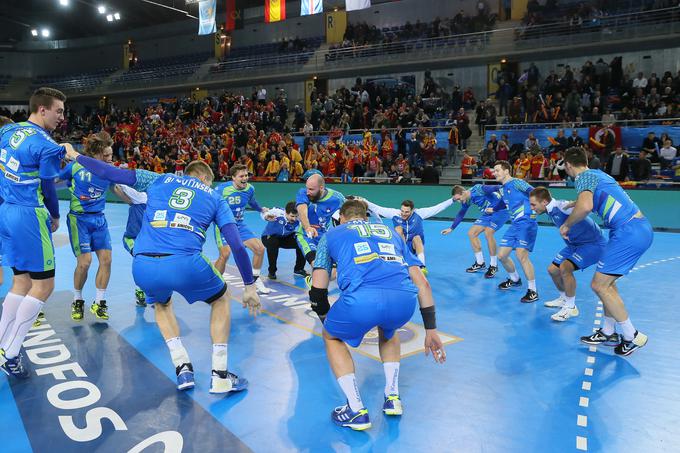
259	286
564	314
555	303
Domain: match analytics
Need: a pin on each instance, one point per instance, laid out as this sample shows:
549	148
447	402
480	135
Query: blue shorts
26	234
193	276
88	233
354	314
243	231
409	241
495	220
625	247
129	244
520	235
583	256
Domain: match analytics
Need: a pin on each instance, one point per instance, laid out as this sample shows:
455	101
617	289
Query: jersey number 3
181	199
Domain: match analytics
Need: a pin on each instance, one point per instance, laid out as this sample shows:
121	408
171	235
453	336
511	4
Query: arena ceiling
81	18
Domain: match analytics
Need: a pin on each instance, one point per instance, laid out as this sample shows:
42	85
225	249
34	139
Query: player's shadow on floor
310	427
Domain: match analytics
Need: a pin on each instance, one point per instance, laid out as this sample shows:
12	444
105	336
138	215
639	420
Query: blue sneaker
392	405
344	416
185	376
222	382
14	366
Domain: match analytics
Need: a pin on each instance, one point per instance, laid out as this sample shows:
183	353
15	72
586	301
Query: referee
280	234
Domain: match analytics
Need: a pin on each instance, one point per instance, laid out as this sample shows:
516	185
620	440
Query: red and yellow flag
274	10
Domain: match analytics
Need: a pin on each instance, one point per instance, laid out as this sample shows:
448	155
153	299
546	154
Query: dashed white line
583	401
581	443
582	420
586	385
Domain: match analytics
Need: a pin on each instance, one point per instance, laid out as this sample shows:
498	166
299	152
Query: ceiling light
109	18
116	16
45	33
34	32
63	2
101	9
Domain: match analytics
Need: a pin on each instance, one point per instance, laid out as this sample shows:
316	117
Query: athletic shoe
530	296
308	281
555	303
140	297
185	376
475	267
424	270
345	416
300	272
77	309
600	337
564	314
271	276
628	347
14	366
392	405
225	382
39	320
259	286
100	310
491	272
510	284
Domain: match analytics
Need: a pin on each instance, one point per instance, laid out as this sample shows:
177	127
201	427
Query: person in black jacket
430	174
642	167
617	165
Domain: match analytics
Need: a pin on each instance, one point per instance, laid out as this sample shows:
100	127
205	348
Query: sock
178	354
627	329
256	272
77	294
101	295
219	356
514	276
421	257
348	384
391	378
563	295
532	285
479	256
26	314
609	325
9	313
494	261
570	302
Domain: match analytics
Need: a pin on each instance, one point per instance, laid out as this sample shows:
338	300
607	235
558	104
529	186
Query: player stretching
168	258
239	194
630	235
374	267
30	213
408	222
494	215
584	248
521	235
87	226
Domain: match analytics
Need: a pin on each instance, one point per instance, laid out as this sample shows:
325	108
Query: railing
572	125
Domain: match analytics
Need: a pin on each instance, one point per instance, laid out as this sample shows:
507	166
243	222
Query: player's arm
382	211
140	180
272	214
523	186
120	194
584	204
51	201
256	206
400	231
66	173
458	219
488	190
318	294
430	211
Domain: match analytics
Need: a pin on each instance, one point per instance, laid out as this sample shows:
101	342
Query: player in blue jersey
239	194
381	284
3	122
630	235
316	205
280	234
494	215
87	226
521	235
30	160
408	222
137	202
583	249
168	258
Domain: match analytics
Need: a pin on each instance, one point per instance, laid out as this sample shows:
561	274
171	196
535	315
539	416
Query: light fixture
63	2
116	16
45	33
101	9
34	32
109	17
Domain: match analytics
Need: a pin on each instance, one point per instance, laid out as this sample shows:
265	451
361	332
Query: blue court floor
514	381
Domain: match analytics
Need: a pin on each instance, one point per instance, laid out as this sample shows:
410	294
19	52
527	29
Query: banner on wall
353	5
520	135
336	24
234	16
309	7
206	17
600	137
274	10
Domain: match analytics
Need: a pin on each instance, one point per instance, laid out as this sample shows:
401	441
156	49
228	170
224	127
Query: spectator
667	154
468	166
641	167
652	144
617	165
593	161
574	139
430	174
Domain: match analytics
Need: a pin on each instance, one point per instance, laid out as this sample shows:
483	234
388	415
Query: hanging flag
274	10
234	16
353	5
309	7
206	17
